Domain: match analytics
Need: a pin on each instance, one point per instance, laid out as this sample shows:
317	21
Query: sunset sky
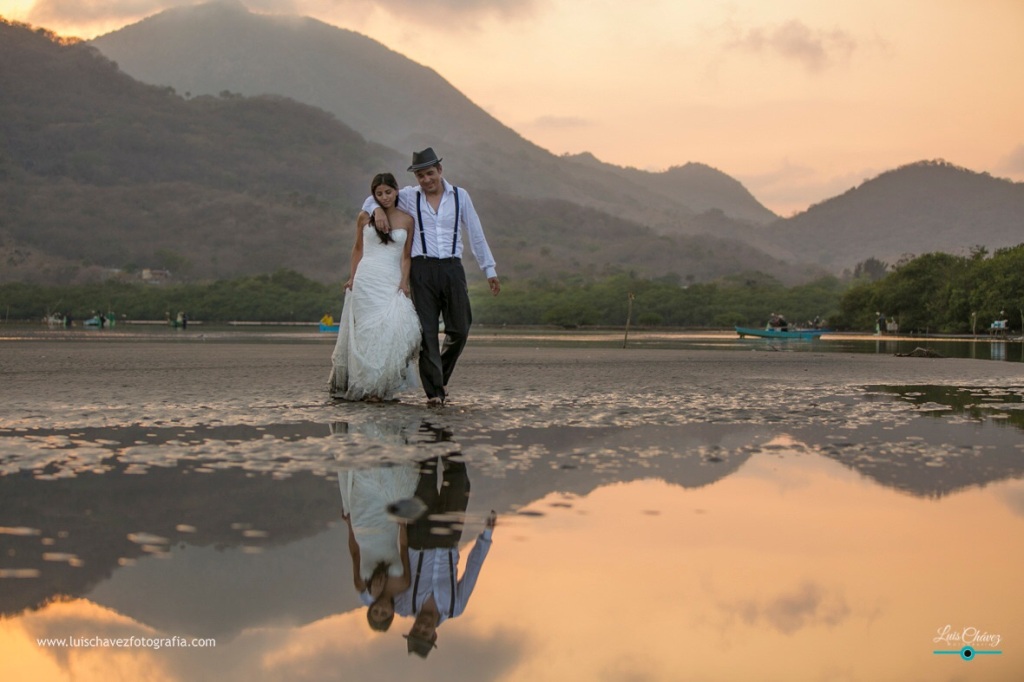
798	99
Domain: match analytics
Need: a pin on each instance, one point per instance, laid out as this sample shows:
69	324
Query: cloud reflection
807	605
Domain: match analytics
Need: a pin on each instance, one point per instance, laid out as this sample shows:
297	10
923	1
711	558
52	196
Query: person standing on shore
442	213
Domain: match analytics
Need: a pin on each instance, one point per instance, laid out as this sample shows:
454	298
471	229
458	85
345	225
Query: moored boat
779	334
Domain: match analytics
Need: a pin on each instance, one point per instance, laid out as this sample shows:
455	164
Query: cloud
436	14
814	49
61	12
808	605
558	123
1013	495
447	16
1013	162
503	8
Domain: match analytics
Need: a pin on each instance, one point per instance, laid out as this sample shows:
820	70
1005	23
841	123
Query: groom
442	213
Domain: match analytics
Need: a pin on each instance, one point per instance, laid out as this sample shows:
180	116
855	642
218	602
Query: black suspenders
455	232
416	585
451	578
419	217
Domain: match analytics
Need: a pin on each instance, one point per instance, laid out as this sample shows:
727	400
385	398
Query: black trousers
441	525
439	290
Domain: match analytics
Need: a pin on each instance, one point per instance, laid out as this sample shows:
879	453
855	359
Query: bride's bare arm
353	549
402	220
357	249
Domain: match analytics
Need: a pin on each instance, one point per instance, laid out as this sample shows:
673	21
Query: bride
379	333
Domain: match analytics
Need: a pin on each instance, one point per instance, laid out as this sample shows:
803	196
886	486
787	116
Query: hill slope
100	170
918	208
388	98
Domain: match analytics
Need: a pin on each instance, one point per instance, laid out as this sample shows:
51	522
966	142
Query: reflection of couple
378	545
408	241
412	569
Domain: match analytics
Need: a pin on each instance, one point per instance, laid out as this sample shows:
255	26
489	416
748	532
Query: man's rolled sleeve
477	240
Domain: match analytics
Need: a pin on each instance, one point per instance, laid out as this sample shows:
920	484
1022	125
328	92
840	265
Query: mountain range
387	98
252	145
99	171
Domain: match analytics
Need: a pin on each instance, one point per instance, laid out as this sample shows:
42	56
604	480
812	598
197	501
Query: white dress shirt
438	226
434	572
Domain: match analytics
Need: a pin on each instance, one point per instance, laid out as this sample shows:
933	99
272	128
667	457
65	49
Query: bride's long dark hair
381	570
378	180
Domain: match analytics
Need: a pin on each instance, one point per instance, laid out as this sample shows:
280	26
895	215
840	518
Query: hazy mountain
98	168
390	99
918	208
101	170
699	187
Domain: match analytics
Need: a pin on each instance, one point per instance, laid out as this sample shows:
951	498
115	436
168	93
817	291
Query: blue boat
779	334
329	327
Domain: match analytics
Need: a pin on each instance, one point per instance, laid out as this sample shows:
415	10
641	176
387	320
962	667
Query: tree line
571	301
943	293
284	295
935	292
746	299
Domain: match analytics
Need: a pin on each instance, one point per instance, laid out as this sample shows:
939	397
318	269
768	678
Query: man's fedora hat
419	646
424	159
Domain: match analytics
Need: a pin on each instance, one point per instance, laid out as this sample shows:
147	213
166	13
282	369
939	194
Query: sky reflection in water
831	537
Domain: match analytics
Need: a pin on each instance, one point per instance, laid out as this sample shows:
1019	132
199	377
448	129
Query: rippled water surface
688	508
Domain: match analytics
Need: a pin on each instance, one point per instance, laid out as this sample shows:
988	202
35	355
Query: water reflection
405	525
438	593
1002	406
663	515
377	543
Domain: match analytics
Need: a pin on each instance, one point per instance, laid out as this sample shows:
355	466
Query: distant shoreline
596	333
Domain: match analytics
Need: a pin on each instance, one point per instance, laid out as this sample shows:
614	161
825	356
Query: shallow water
676	511
981	347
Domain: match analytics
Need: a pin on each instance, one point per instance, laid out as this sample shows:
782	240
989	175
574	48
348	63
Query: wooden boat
779	334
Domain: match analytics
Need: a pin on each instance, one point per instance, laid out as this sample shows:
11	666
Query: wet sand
72	379
249	402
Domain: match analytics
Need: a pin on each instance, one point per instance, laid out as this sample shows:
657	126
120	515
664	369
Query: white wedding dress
379	333
365	496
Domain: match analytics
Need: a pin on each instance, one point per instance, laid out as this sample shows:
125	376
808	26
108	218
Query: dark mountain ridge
388	98
918	208
101	170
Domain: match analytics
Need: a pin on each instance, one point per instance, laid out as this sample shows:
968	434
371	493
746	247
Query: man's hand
495	285
380	219
492	520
